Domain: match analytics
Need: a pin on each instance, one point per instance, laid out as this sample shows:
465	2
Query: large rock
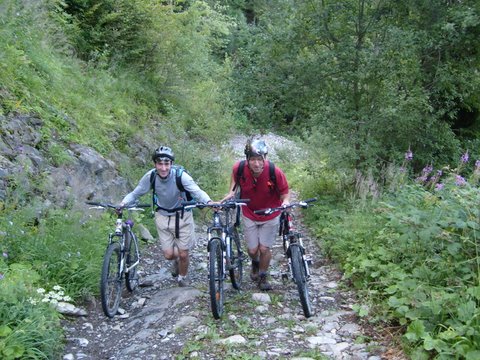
25	160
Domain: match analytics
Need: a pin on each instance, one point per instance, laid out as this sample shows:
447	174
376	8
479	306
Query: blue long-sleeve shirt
168	194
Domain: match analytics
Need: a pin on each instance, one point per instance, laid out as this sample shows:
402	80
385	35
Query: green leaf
14	351
473	225
466	310
5	330
416	330
473	355
454	248
475	292
429	343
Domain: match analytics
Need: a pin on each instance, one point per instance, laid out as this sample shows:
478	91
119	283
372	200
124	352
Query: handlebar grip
93	203
242	200
261	212
310	200
187	203
144	206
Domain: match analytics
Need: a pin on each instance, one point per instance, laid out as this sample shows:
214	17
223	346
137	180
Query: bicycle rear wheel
111	280
300	277
131	277
236	259
216	277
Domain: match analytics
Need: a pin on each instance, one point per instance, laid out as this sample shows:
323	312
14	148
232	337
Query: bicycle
224	251
120	260
294	251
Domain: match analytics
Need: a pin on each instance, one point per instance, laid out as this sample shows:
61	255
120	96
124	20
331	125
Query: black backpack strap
239	174
273	177
152	179
153	175
178	179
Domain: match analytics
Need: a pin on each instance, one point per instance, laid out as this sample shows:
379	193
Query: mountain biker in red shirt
256	184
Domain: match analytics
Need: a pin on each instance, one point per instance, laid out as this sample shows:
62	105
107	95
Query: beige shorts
260	232
166	231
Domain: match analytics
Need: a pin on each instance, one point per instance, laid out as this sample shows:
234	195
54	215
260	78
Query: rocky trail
163	321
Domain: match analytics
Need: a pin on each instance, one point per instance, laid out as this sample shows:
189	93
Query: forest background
381	95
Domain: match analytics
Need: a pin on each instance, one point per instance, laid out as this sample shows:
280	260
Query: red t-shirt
261	191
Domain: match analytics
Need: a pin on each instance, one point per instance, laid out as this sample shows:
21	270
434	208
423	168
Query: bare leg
183	262
265	257
171	254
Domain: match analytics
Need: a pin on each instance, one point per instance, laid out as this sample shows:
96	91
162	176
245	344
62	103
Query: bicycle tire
284	231
216	277
111	280
131	277
300	278
236	259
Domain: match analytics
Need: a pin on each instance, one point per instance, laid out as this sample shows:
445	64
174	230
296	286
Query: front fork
296	241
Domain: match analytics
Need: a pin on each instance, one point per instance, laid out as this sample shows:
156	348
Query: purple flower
408	155
427	170
460	181
439	186
477	164
464	158
436	177
5	255
421	179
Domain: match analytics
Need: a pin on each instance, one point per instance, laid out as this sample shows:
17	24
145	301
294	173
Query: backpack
178	180
241	166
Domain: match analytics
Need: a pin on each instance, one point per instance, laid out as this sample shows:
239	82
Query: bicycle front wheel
300	277
131	278
111	280
216	277
236	259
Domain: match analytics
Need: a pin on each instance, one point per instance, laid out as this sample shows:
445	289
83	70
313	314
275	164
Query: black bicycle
224	250
121	258
294	250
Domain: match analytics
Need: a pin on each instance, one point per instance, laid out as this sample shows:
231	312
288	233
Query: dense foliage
366	78
356	81
413	255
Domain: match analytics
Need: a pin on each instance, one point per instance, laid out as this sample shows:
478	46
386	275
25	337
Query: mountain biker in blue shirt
169	196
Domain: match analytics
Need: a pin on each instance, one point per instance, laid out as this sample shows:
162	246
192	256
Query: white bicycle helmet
163	153
256	148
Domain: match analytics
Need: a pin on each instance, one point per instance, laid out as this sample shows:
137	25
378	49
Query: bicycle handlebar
102	205
303	204
229	204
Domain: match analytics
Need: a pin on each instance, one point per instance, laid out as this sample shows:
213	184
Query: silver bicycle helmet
163	153
256	147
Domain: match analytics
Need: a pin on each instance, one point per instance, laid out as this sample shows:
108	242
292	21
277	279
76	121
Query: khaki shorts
166	231
260	232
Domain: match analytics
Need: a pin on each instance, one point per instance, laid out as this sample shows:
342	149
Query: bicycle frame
224	252
122	256
221	230
292	238
126	227
298	264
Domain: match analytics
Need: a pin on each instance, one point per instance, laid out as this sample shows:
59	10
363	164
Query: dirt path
164	321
